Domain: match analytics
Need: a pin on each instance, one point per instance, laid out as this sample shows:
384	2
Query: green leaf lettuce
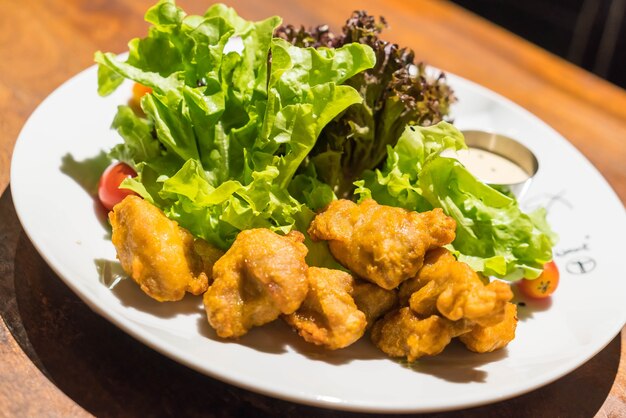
223	133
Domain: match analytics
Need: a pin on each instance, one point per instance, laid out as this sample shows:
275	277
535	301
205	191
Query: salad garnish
263	136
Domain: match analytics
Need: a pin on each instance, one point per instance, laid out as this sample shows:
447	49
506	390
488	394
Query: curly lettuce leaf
397	183
139	144
304	95
396	91
493	235
307	189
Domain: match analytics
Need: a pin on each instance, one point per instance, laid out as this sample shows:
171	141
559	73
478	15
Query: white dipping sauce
488	167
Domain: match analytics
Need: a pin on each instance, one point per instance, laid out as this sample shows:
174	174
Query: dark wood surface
58	358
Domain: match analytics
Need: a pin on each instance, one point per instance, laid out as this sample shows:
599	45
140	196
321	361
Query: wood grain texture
60	359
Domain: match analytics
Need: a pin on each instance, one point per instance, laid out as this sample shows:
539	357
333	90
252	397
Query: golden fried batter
157	253
452	289
402	333
328	316
262	275
372	300
382	244
208	256
487	339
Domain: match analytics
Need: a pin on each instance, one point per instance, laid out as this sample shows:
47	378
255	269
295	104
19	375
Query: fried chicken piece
262	275
372	300
328	316
486	339
451	288
157	253
209	255
402	333
382	244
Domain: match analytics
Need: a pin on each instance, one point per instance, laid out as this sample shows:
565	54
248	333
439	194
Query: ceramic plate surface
57	161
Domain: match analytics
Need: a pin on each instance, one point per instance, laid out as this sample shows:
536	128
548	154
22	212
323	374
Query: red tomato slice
544	285
109	191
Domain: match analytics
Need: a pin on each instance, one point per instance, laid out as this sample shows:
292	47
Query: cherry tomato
108	188
139	90
544	285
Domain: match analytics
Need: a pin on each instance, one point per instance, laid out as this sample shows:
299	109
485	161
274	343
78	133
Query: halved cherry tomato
139	90
544	285
109	190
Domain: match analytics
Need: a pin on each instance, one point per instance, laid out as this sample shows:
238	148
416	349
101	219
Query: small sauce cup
498	160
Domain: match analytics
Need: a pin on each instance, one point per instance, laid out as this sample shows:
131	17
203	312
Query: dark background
589	33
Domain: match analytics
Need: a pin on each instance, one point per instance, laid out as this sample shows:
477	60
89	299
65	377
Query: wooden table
61	359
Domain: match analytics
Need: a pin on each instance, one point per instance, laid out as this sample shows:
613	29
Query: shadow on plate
527	307
110	374
86	173
128	292
456	364
278	337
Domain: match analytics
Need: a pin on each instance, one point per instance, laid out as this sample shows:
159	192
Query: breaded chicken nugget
382	244
261	276
451	288
372	300
158	254
402	333
491	338
328	316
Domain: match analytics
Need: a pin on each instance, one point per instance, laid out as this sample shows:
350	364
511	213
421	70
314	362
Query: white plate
589	309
